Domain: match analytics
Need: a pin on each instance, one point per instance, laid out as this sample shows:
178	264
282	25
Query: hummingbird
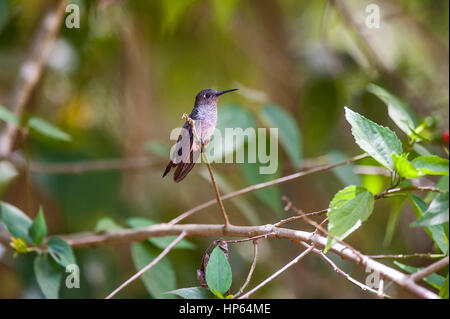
188	149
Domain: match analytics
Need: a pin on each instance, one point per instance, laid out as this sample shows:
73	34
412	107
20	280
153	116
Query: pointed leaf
404	167
8	116
345	172
349	208
434	280
432	165
378	141
158	279
15	220
48	276
436	214
270	196
436	232
289	133
47	129
38	229
218	272
106	223
61	251
443	293
192	293
398	109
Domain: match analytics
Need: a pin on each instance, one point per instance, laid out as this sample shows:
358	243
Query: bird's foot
187	118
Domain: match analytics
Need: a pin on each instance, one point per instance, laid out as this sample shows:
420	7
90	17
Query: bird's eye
207	95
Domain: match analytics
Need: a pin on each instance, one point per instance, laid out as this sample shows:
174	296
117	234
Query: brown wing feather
188	160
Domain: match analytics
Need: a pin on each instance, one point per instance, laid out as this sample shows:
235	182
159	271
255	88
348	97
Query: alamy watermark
73	18
73	279
373	16
228	147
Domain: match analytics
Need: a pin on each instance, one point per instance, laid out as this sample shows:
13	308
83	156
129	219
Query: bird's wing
184	161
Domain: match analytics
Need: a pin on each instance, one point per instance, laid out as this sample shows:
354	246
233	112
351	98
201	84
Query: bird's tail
183	168
168	168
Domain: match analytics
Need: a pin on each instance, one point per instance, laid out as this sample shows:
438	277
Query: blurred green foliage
119	84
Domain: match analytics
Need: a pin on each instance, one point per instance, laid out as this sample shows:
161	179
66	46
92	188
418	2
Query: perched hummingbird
187	149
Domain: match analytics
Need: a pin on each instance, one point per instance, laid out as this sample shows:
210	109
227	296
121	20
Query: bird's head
209	96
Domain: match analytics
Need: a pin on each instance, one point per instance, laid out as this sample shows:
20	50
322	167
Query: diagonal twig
252	188
31	71
429	270
340	272
277	273
252	268
149	266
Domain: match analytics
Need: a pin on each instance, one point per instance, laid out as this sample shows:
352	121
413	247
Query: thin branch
213	180
31	70
236	241
92	165
342	273
318	226
277	273
256	187
252	268
380	292
207	230
408	189
429	270
216	190
149	266
408	256
295	218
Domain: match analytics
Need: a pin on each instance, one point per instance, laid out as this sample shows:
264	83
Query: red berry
445	136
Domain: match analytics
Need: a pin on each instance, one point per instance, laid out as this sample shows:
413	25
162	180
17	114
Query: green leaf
38	229
223	11
160	242
436	214
436	232
191	293
270	196
106	223
230	116
15	220
398	110
349	208
443	293
7	173
394	214
43	127
8	116
158	148
172	12
48	276
158	279
345	172
421	150
404	167
435	280
378	141
218	272
431	165
61	251
289	133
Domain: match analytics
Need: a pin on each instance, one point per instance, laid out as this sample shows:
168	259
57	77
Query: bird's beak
226	91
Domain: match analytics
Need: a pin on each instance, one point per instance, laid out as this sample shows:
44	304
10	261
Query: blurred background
120	82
